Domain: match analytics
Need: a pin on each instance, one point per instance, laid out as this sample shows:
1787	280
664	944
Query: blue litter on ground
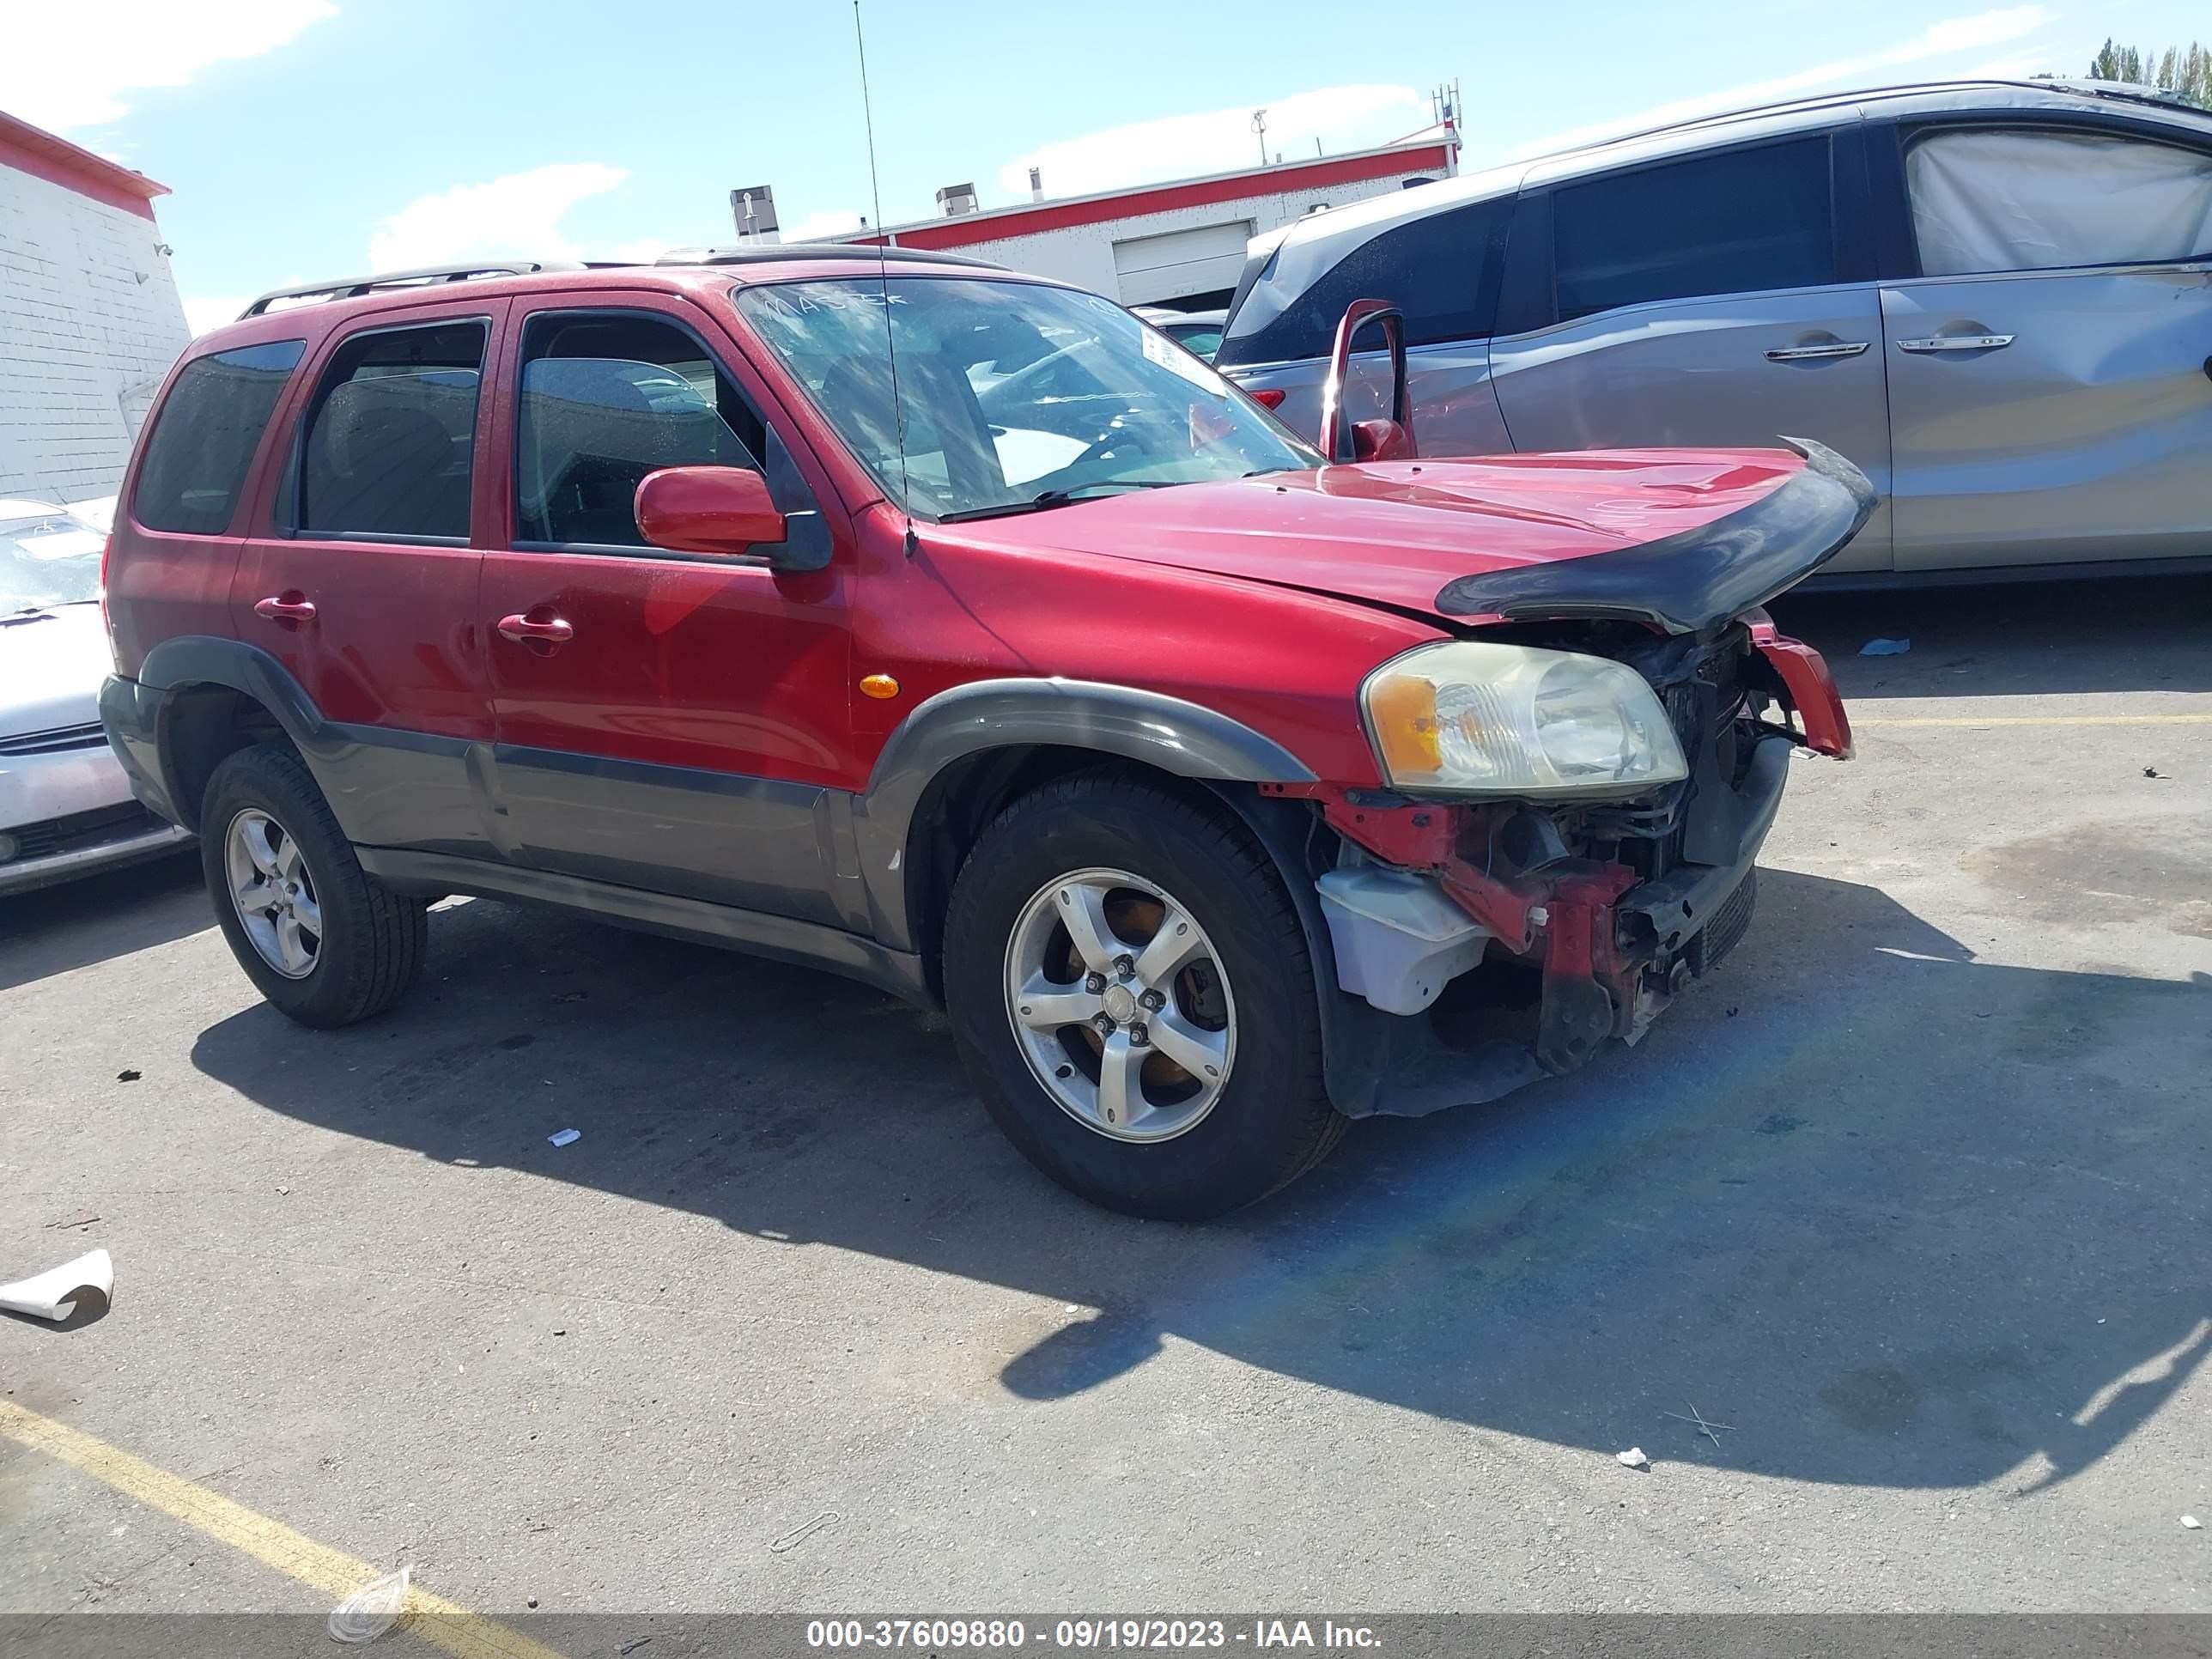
1885	648
565	1137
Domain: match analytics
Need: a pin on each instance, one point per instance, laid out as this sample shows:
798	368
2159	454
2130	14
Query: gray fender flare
1177	737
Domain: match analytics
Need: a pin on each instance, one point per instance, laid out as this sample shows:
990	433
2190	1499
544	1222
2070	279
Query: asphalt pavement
1911	1197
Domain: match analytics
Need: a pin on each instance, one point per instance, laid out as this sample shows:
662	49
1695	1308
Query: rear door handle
552	630
277	608
1805	354
1957	343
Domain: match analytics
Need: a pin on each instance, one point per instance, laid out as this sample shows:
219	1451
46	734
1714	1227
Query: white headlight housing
1480	717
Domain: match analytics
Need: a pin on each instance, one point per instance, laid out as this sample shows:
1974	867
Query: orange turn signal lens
1403	710
878	686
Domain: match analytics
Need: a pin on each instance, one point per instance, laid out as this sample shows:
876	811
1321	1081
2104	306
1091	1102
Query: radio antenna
884	275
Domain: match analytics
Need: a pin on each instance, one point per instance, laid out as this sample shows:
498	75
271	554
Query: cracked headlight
1476	717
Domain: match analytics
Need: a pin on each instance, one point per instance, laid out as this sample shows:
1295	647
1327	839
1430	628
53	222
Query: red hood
1398	531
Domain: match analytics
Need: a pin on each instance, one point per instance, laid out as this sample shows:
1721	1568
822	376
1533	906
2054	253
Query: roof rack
348	287
759	253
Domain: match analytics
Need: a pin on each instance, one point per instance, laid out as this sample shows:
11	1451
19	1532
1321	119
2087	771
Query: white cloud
515	216
830	222
71	64
205	311
1216	141
1951	36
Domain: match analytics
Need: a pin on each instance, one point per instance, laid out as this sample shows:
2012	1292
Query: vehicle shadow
2125	634
1900	1218
78	923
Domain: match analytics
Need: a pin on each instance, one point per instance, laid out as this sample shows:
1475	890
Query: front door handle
535	630
1957	343
1805	354
291	607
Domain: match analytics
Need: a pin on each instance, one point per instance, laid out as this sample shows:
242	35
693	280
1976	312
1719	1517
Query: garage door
1151	269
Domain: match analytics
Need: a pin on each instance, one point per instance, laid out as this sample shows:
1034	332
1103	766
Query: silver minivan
1994	297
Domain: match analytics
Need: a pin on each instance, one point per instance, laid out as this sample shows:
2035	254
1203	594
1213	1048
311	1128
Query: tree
2185	71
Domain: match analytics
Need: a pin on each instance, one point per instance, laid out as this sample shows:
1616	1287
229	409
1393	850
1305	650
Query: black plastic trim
1177	737
1690	582
780	938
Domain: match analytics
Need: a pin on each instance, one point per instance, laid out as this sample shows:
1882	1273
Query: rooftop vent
956	200
753	207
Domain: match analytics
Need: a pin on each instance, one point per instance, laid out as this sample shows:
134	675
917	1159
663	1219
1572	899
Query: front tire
1131	993
325	941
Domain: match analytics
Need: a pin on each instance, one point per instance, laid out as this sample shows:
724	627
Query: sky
306	139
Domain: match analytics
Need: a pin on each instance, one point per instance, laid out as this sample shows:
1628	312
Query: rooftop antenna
1259	126
884	277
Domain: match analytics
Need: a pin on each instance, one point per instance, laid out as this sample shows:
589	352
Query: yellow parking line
1857	720
464	1634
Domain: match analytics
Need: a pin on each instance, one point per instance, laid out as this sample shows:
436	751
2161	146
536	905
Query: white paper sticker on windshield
59	543
1169	356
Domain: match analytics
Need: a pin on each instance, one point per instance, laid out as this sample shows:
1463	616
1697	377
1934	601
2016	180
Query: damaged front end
1482	944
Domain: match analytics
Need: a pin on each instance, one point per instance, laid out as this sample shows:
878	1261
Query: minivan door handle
1957	343
1805	354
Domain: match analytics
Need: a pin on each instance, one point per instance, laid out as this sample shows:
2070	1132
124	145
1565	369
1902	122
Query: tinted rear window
390	441
1440	270
205	438
1740	222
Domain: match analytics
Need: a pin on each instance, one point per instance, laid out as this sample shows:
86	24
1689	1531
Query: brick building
89	316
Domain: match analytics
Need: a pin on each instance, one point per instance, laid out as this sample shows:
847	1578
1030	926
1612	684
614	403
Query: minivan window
1738	222
205	435
2026	200
391	440
1440	270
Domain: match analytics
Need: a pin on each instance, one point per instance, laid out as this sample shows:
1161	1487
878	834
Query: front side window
2026	200
391	440
1743	221
607	397
1011	395
205	438
1440	270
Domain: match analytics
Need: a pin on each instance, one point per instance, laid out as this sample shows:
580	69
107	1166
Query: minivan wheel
1130	989
325	941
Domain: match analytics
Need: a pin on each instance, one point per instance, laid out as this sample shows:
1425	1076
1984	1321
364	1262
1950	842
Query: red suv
956	631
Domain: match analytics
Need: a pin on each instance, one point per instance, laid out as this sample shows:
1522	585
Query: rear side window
205	436
2027	200
1741	222
1441	271
392	436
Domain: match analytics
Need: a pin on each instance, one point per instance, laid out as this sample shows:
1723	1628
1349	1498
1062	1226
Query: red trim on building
973	228
34	151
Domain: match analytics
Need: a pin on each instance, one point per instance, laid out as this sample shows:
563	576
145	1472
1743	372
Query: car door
361	581
1723	299
2049	362
675	722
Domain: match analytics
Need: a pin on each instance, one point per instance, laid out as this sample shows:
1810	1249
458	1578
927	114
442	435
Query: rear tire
321	938
1189	1151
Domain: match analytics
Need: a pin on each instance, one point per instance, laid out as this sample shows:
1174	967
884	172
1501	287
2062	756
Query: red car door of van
361	581
666	722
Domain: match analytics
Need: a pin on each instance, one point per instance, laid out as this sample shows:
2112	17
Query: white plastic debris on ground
1633	1458
53	1294
371	1610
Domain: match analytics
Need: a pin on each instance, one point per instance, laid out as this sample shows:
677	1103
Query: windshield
48	561
1013	395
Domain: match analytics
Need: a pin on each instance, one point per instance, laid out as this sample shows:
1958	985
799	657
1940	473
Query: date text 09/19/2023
987	1635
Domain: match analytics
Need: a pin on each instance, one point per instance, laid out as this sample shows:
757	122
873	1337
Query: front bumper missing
1610	951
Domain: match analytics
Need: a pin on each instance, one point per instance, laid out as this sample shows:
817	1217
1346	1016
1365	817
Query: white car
65	806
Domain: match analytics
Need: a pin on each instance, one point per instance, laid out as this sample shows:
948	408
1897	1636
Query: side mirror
706	509
1339	440
1381	440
